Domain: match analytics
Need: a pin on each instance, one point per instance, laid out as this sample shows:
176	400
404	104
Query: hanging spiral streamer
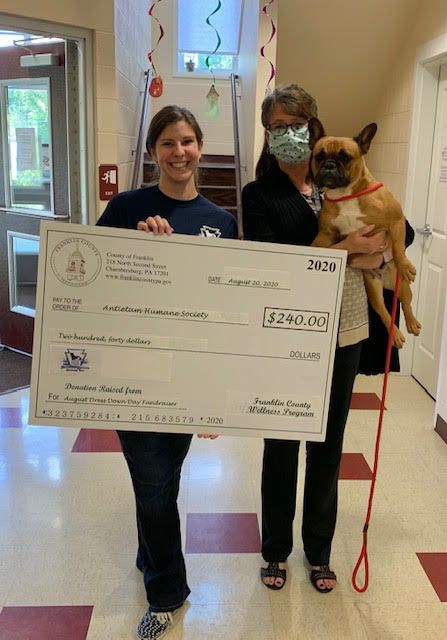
212	95
272	35
219	39
156	86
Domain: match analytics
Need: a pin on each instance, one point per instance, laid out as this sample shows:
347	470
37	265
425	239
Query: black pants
280	471
155	462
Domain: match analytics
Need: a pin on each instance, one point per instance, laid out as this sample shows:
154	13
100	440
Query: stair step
217	186
217	175
222	197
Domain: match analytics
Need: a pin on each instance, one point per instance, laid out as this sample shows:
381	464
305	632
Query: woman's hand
211	436
156	225
359	242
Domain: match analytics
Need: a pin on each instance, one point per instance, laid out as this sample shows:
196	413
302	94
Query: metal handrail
237	158
138	152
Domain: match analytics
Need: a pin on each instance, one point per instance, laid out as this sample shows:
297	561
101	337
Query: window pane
23	256
30	170
195	35
198	60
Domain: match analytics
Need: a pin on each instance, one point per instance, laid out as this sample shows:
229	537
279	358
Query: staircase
217	179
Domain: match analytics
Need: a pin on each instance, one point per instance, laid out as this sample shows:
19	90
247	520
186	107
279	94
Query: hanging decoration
212	96
262	50
156	86
213	102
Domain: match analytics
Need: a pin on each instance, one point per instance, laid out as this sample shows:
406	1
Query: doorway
427	199
42	161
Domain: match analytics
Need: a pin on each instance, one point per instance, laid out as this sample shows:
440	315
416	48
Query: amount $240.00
294	319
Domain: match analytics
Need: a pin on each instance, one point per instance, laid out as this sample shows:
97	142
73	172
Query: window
197	40
25	108
23	253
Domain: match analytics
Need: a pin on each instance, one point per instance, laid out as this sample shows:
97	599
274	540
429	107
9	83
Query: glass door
41	169
27	145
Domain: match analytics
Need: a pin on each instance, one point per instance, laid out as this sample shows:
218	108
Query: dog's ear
365	136
316	131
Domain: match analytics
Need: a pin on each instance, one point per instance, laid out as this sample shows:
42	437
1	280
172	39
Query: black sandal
323	573
273	571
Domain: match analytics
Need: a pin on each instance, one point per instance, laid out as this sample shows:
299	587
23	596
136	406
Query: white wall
254	73
190	91
132	42
120	63
342	52
97	15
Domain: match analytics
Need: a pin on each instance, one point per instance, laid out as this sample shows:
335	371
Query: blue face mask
292	147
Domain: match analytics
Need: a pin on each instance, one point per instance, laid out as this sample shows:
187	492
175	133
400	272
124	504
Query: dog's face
336	162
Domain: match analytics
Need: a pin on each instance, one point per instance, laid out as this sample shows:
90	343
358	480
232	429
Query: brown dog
354	199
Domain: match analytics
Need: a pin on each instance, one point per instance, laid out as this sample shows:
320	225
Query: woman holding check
282	205
155	460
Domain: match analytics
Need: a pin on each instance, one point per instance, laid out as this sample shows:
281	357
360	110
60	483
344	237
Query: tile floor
68	539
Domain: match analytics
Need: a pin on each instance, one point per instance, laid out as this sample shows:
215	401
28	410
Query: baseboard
441	427
23	353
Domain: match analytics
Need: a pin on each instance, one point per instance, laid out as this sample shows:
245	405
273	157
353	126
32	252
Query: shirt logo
209	232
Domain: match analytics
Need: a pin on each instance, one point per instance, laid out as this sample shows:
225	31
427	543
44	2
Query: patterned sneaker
155	624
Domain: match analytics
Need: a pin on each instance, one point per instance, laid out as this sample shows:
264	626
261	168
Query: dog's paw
398	338
414	326
406	270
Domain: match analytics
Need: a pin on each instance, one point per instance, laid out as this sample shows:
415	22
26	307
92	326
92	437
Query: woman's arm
377	260
359	242
409	233
254	215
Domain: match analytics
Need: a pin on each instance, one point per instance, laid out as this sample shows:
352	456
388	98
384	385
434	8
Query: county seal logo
76	262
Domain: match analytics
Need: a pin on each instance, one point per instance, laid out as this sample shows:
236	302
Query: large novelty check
183	333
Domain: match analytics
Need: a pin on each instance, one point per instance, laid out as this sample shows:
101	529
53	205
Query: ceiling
342	52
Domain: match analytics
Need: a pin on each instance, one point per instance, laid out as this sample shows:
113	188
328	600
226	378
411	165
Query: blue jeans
155	462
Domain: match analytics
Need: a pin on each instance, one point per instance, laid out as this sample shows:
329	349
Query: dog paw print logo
76	262
75	360
209	232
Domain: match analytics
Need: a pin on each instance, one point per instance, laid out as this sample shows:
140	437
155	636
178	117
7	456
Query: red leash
364	551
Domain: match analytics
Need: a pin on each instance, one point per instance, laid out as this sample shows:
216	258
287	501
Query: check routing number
183	333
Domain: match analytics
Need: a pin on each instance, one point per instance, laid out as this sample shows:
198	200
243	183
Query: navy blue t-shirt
199	217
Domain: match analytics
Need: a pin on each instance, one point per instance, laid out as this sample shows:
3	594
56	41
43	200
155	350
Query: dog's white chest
348	219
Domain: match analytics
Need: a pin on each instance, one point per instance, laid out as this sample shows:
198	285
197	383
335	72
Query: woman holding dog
282	205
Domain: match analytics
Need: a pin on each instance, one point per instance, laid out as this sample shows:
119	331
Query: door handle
426	230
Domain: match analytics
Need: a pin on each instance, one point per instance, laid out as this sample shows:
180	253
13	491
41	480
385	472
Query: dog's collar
356	195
